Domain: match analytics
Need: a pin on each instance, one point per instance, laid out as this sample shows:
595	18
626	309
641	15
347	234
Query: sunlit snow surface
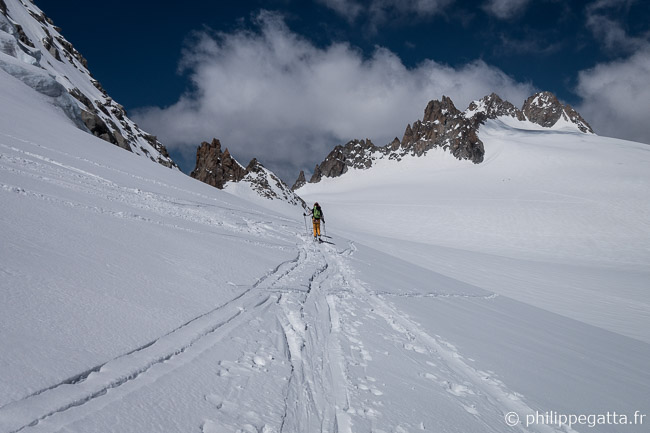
136	299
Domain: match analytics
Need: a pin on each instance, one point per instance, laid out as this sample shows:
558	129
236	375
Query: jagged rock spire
218	168
215	167
300	181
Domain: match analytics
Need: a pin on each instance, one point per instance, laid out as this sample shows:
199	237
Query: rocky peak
215	167
354	154
268	185
442	125
300	181
574	117
440	110
545	109
491	107
218	168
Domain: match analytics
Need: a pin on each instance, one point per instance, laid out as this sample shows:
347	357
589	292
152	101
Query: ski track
309	296
96	382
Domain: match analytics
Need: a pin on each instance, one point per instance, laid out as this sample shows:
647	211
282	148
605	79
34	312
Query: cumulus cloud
273	95
616	97
608	30
616	94
505	9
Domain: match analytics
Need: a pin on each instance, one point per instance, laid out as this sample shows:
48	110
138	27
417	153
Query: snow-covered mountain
451	296
444	126
33	50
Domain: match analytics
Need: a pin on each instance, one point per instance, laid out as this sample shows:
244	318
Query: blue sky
286	80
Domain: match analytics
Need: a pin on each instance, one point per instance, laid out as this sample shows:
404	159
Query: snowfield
136	299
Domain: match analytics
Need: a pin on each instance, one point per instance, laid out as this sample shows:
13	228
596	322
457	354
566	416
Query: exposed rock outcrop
444	126
215	167
218	168
42	58
575	117
354	154
491	107
545	109
300	181
268	185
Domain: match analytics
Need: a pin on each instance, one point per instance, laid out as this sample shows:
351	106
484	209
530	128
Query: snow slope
562	213
33	50
134	298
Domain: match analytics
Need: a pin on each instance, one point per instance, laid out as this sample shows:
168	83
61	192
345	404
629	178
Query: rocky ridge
546	110
218	168
33	50
444	126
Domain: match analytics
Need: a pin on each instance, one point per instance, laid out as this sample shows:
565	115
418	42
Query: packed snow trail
310	347
330	389
314	298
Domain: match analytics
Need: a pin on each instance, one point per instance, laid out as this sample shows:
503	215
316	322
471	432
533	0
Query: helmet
316	204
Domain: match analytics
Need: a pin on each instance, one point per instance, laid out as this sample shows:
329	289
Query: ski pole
324	228
306	229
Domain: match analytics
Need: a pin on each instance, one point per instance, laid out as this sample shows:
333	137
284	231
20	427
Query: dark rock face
543	108
71	52
97	126
576	118
354	154
76	93
23	37
300	181
215	167
443	125
491	107
317	176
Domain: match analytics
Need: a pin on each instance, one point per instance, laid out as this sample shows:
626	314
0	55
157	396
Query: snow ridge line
97	381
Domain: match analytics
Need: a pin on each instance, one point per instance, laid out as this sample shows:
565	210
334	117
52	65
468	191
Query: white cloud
273	95
609	31
505	9
616	97
616	94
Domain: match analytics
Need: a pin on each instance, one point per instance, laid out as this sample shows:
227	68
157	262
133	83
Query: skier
316	217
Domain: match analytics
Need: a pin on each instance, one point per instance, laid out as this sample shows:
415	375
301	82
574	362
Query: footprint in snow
457	389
